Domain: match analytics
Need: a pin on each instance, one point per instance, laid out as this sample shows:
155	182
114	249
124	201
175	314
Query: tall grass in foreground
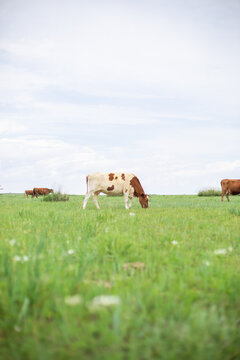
67	293
235	211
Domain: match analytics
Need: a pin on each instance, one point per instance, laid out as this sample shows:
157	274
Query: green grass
210	192
58	196
184	305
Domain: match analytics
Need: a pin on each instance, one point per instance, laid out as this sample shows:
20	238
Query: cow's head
51	190
143	199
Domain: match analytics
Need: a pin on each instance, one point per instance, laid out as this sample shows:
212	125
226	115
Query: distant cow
115	184
41	191
28	192
231	187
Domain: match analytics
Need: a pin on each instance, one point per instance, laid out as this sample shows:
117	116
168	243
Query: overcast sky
150	87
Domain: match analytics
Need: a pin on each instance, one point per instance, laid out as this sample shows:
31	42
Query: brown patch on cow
116	177
123	177
110	188
111	176
126	190
138	190
87	182
134	265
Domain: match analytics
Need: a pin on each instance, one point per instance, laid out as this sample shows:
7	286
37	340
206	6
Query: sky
148	87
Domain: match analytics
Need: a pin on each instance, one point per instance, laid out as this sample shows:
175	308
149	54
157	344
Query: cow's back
109	183
41	191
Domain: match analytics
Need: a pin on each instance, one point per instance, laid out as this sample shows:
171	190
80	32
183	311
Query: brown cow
231	187
28	192
41	191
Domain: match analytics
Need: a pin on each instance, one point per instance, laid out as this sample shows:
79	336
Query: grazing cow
231	187
115	184
41	191
28	192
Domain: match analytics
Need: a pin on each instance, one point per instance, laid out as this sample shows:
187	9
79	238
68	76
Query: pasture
67	290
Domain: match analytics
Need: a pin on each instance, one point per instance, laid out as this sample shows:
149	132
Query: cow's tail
87	183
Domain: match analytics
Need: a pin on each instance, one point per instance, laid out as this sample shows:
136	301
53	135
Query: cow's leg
126	200
222	195
87	196
227	195
131	201
95	198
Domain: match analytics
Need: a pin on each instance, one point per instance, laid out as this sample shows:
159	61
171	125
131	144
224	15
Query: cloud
106	49
217	167
195	141
18	86
10	126
46	162
119	52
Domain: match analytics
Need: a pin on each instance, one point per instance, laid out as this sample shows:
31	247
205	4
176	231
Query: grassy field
67	290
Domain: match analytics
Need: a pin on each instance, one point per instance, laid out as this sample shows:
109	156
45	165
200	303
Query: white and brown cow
115	184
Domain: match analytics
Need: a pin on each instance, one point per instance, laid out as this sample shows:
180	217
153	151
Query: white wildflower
230	249
12	242
17	258
132	214
174	242
104	301
25	258
207	263
17	328
220	252
106	230
73	300
70	251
